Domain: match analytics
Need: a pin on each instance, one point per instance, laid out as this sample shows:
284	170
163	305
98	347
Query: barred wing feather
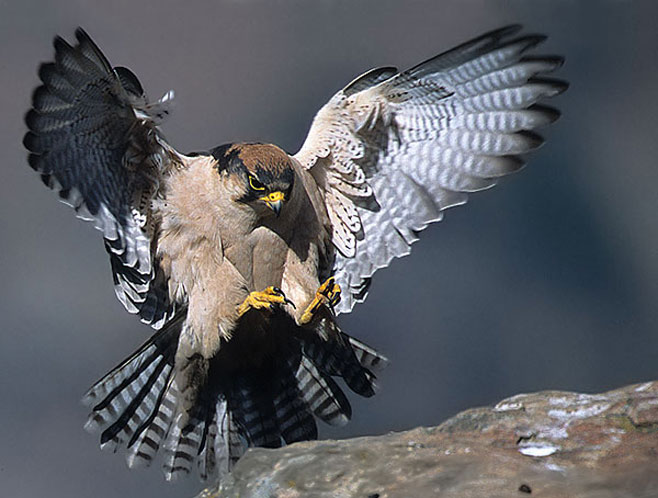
392	150
93	137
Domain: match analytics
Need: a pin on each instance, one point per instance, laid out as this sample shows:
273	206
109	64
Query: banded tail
138	404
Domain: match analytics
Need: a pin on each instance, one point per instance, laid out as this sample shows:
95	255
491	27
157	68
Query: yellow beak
274	201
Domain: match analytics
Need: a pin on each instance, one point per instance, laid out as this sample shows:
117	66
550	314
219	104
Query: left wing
393	149
93	137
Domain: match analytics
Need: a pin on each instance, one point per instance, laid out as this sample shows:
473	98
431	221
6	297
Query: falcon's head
262	174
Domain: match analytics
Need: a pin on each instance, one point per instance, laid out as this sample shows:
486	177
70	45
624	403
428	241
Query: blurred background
549	281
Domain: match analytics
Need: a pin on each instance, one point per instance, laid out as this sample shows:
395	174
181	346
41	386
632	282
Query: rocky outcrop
547	444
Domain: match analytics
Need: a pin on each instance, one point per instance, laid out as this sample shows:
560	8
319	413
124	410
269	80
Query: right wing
392	150
93	137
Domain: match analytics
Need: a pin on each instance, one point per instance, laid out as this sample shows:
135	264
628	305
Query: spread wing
93	137
392	150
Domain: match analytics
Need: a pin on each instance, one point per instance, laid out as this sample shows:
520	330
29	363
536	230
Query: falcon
241	257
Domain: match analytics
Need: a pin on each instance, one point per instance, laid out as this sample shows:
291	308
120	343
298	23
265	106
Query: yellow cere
274	197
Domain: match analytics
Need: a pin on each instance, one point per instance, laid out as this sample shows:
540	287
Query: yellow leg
328	294
265	299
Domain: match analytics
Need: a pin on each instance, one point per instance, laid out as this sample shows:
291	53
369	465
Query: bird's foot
328	294
265	299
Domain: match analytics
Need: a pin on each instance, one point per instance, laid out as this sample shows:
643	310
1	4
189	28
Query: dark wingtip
81	35
562	85
129	81
31	118
46	69
558	86
370	78
533	41
509	30
33	161
29	141
535	140
551	113
62	47
88	46
58	42
557	61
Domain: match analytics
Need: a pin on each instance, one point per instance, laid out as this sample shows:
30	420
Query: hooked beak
274	201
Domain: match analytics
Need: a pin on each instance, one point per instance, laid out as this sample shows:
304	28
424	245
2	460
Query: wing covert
392	150
93	137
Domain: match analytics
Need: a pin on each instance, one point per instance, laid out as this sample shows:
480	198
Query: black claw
279	292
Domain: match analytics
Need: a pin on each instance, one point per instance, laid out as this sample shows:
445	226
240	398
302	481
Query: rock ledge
546	444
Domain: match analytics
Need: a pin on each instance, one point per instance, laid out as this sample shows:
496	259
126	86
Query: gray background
548	281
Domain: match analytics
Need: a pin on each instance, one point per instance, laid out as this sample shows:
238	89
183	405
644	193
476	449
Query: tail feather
133	404
293	414
207	463
182	447
150	404
335	353
251	403
114	397
149	438
141	405
322	394
338	359
229	446
123	374
366	356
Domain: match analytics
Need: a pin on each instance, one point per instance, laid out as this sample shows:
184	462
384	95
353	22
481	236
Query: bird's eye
255	184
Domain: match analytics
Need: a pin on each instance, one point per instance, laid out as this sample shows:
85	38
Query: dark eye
255	184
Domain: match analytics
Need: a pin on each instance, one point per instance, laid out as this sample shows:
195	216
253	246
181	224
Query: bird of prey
241	257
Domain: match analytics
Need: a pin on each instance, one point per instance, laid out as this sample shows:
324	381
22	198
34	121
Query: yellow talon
265	299
328	294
